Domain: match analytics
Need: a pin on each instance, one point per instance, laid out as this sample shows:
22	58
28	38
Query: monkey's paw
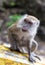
32	59
33	56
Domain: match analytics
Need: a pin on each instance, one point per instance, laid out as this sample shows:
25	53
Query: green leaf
13	18
9	24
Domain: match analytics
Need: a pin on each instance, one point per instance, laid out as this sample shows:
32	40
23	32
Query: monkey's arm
11	39
31	57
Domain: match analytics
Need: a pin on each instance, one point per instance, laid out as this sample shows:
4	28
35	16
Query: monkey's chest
21	38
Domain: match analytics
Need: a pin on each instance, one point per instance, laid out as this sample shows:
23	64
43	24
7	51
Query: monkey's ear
38	22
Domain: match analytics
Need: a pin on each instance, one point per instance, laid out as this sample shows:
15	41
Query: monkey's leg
36	45
29	52
34	48
11	40
31	57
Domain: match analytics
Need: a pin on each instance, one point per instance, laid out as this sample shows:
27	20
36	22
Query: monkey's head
28	23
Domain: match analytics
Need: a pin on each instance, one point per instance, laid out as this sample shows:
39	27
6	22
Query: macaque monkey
22	33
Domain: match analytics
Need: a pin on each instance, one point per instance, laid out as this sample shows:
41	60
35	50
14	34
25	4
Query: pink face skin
27	21
27	24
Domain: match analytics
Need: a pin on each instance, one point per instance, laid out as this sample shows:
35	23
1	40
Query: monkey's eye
30	22
27	21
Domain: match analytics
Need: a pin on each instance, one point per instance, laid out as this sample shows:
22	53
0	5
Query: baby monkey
22	33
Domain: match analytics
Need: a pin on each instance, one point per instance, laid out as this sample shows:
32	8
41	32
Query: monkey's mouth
24	29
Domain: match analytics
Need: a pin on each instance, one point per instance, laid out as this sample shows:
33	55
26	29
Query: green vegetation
13	18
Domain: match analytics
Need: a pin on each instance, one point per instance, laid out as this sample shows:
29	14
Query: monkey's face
28	22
